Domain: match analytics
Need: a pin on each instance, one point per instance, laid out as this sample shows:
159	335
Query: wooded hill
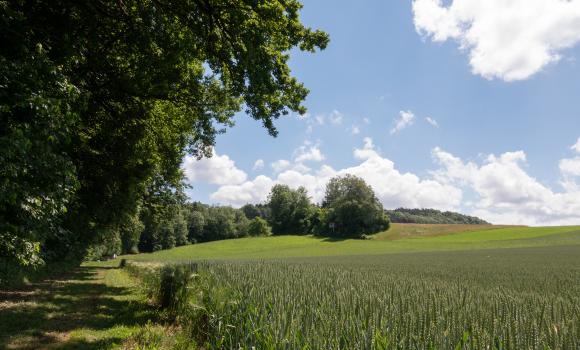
432	216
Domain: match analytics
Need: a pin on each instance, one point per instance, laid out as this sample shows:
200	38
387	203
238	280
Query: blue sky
503	96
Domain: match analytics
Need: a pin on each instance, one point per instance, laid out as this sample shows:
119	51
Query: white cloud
391	186
366	120
280	165
335	117
308	153
506	193
254	191
258	164
432	121
576	147
570	167
499	188
218	169
406	119
355	130
509	40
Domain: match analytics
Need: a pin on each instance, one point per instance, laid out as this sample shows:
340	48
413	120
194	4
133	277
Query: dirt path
90	308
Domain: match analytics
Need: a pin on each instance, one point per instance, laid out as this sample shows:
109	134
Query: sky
463	105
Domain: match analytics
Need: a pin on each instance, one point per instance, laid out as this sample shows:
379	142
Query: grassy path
89	308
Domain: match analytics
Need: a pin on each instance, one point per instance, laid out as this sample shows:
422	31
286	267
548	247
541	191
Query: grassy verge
92	307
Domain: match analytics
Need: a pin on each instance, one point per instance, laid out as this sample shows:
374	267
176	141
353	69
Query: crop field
522	293
521	298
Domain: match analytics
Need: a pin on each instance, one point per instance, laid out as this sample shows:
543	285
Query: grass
401	239
92	307
400	231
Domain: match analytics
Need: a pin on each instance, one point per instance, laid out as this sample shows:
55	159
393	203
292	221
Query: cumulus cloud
576	146
570	167
258	164
280	165
506	193
406	119
510	40
393	187
254	191
355	130
498	187
432	121
308	153
218	170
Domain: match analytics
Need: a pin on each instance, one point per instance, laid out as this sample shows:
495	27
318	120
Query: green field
415	287
430	238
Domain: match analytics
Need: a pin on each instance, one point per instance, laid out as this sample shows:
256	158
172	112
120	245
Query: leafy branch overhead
102	99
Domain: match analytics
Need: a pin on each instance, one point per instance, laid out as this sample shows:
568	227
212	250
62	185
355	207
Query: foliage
101	100
256	210
224	223
432	216
259	227
289	210
352	208
164	225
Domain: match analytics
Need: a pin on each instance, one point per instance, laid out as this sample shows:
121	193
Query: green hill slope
308	246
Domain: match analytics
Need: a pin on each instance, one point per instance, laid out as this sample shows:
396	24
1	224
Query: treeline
432	216
350	209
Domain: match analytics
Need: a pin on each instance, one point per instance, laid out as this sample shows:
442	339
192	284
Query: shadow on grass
45	313
334	239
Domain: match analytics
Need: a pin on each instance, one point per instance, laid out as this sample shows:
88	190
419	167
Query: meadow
401	238
496	288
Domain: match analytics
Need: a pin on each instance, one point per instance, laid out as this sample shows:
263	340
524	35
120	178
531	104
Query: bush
259	227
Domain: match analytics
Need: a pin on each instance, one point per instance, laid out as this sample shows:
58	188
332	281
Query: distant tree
256	210
289	210
432	216
224	223
352	209
259	227
196	226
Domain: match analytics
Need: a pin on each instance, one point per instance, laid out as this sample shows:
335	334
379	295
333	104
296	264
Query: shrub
259	227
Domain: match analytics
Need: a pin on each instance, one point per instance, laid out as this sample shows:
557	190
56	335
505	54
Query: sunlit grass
309	246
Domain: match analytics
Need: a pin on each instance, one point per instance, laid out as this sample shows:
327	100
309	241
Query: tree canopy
289	210
352	209
100	101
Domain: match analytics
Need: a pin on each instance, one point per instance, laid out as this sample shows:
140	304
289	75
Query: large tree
290	210
351	208
100	98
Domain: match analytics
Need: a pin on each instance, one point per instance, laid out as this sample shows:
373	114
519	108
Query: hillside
432	216
308	246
